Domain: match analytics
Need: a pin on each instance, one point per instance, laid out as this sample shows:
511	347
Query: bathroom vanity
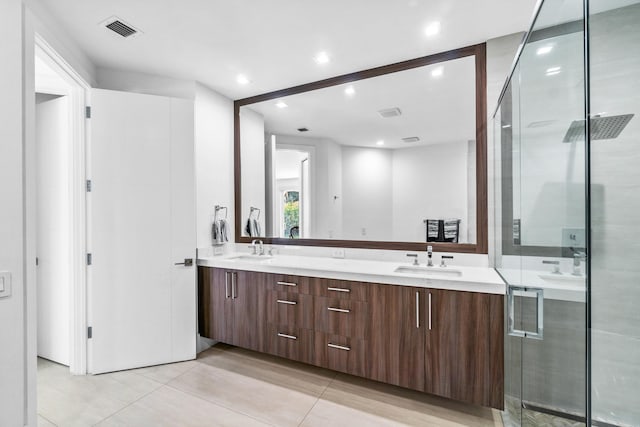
439	330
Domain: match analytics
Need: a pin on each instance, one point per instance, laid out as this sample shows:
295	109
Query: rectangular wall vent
390	112
120	27
411	139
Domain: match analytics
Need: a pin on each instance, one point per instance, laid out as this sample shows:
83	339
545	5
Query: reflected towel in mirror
252	228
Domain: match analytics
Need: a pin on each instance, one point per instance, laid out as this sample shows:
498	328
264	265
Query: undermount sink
428	271
251	258
551	277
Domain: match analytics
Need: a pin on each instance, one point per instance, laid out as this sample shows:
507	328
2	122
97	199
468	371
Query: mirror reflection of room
389	158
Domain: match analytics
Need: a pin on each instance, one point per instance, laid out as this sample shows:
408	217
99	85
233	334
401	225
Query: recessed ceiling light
432	29
553	71
281	104
242	79
350	90
381	142
544	50
437	72
322	58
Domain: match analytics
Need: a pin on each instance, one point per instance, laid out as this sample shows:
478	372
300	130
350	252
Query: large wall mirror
388	158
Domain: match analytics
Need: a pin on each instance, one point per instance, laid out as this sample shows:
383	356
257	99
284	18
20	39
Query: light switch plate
5	284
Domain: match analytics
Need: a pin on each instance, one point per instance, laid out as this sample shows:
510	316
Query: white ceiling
436	109
274	42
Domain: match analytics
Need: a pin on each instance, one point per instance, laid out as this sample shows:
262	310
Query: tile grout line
47	419
215	403
143	396
318	399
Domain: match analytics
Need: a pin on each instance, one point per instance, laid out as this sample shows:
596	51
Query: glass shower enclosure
567	217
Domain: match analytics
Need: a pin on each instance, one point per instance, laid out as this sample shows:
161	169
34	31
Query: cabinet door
397	336
248	292
215	307
464	347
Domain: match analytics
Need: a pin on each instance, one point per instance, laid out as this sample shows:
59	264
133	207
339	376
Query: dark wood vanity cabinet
231	306
447	343
464	349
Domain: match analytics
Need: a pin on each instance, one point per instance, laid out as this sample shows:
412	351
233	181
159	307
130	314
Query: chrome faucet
578	257
429	256
415	258
255	248
443	263
555	264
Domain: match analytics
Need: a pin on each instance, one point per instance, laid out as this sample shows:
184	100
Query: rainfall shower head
601	128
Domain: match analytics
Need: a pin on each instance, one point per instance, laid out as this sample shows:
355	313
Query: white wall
366	193
128	81
252	153
12	309
214	160
429	182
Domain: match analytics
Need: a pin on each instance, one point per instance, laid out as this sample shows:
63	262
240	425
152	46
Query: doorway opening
58	218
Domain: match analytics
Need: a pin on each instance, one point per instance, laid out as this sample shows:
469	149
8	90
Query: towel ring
218	208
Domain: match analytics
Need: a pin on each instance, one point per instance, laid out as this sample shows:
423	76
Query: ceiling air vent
121	28
390	112
411	139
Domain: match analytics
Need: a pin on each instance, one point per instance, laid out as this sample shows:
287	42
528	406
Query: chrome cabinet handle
234	285
290	337
287	283
522	291
339	347
418	310
226	284
282	301
429	310
338	289
339	310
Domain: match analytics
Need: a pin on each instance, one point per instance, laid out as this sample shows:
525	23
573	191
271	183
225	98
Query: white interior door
142	307
53	246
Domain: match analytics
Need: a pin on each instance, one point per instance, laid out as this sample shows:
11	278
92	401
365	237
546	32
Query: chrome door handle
188	262
339	347
226	284
290	337
522	291
418	310
287	283
234	285
429	310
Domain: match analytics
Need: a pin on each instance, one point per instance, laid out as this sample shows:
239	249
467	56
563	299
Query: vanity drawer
343	354
289	283
342	316
289	308
290	342
342	289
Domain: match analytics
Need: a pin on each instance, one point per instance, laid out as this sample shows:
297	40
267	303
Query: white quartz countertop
452	277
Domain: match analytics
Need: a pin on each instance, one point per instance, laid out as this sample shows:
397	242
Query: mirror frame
481	245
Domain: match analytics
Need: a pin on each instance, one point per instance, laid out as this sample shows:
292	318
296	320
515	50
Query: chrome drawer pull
282	301
339	347
339	289
291	337
339	310
287	284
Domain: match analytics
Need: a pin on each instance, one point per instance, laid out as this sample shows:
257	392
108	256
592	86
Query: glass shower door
542	243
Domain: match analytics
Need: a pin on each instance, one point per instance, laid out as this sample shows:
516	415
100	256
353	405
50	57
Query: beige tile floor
228	386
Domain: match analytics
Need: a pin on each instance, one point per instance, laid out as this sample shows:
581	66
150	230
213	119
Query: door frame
79	99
